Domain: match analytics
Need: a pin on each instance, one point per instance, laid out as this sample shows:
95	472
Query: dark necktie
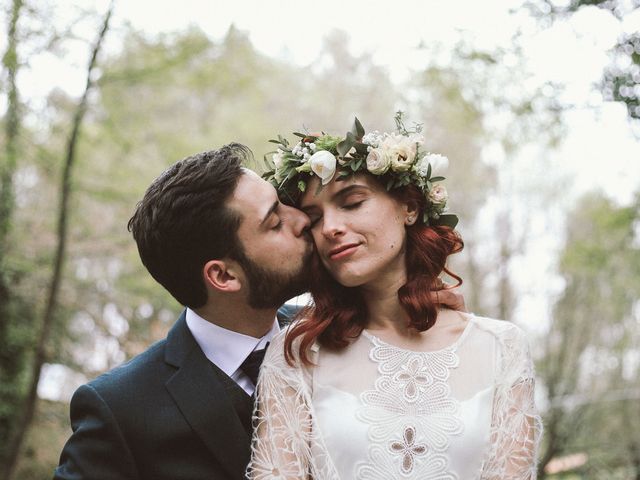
251	364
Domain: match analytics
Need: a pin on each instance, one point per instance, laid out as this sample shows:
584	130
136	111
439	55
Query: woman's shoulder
276	350
512	344
503	330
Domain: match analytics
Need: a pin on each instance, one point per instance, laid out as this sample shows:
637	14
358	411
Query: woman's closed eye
352	205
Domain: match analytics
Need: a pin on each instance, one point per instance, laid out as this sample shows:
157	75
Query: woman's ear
410	213
222	275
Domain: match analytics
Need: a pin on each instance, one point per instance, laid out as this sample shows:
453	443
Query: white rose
401	158
378	162
439	164
402	151
323	164
438	195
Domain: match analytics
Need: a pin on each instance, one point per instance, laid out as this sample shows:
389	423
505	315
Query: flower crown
397	158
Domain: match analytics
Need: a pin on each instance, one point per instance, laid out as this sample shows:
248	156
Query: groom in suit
215	235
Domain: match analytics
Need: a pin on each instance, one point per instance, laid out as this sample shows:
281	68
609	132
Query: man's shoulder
136	372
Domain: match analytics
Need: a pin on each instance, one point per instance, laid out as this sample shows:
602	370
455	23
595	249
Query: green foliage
328	142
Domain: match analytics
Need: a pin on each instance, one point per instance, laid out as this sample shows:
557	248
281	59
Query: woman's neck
383	305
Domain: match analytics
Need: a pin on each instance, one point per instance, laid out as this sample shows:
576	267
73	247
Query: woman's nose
332	226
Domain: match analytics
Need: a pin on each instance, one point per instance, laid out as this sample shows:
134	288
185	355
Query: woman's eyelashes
315	218
353	205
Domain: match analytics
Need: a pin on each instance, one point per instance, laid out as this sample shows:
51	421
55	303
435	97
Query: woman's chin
349	279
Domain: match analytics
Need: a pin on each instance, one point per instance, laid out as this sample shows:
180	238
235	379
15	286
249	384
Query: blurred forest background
76	301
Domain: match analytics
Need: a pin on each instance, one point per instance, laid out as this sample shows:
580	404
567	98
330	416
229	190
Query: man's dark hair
182	221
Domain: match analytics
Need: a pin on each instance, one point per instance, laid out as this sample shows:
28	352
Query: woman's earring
410	220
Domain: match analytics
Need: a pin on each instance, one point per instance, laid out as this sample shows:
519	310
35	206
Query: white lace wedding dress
374	411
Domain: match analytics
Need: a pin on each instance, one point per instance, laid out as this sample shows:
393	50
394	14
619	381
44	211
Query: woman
376	382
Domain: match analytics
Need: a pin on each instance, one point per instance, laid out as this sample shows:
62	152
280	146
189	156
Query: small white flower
313	147
378	162
372	138
323	164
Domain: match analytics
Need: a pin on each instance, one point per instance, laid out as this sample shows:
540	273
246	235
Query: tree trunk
12	126
9	365
54	287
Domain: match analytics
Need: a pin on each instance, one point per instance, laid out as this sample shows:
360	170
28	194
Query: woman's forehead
316	193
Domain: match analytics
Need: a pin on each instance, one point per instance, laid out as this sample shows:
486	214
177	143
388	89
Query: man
218	239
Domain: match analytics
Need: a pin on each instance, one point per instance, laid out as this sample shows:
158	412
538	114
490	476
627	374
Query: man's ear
223	275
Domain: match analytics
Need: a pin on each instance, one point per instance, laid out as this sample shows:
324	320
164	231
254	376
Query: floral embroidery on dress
411	411
408	449
415	378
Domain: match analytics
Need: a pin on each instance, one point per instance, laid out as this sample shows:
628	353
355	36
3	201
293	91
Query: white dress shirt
227	349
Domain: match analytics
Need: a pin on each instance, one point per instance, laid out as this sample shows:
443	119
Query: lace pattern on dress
285	444
516	426
410	413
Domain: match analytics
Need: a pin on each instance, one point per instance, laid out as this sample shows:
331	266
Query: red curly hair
339	313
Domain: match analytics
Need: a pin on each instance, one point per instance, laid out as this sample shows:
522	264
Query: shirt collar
225	348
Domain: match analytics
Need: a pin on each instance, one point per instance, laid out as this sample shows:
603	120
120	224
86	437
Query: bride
377	382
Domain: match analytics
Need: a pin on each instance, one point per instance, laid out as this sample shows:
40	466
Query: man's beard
271	288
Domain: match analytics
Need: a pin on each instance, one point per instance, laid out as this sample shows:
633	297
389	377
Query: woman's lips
343	251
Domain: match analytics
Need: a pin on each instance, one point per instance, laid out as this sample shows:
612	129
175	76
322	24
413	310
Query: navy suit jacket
169	413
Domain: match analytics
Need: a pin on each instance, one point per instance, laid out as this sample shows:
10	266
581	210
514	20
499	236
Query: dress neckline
453	346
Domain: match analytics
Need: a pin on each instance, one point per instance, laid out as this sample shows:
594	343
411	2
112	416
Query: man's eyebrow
271	210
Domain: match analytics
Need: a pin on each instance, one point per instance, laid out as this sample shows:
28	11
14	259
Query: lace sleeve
282	441
516	427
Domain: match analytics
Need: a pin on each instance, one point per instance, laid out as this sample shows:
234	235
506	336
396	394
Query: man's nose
300	221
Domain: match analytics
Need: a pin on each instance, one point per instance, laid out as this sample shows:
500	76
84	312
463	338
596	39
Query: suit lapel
203	401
